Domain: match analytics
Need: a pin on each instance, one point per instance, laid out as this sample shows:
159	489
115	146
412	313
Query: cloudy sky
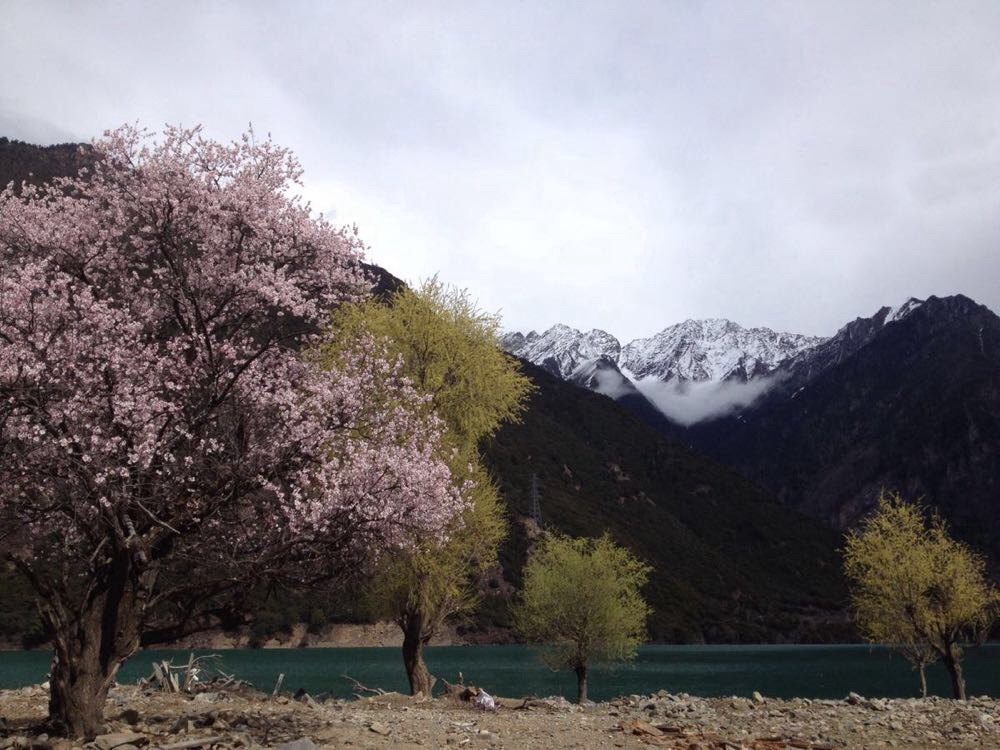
623	165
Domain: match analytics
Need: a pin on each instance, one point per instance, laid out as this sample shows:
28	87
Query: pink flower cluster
154	312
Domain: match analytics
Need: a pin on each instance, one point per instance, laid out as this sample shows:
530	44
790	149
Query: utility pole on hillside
536	504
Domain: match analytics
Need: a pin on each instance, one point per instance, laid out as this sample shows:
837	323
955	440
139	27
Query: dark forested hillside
916	408
730	564
24	162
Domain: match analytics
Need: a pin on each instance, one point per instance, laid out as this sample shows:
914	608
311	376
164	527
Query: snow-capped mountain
695	350
907	400
713	350
602	375
715	362
561	349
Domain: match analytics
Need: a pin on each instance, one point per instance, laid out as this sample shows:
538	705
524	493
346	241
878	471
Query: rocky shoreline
245	718
338	635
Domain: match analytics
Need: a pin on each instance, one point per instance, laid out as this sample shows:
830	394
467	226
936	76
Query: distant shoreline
381	634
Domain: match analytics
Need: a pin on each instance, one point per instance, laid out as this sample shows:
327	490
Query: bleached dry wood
360	689
166	676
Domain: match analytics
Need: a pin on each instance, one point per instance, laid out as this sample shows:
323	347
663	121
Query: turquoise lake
780	671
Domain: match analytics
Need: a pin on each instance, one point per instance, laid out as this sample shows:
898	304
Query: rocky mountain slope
908	399
812	362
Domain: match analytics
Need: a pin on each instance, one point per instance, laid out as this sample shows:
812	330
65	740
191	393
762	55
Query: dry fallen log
162	678
184	677
360	689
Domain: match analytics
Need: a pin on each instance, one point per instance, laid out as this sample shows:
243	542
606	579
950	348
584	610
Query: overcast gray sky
622	165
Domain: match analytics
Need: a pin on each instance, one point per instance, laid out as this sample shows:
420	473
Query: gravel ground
245	718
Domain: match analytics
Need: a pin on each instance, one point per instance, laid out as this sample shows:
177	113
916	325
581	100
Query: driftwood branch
360	689
184	677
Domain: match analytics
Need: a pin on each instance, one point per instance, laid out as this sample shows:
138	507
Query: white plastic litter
485	701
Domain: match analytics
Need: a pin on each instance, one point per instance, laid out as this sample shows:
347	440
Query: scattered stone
129	716
194	743
303	697
246	719
182	725
112	741
641	728
303	743
757	698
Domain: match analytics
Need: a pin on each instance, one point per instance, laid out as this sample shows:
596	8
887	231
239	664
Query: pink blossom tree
165	436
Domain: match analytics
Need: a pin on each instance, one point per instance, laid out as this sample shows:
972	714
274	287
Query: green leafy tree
581	602
423	588
450	351
915	587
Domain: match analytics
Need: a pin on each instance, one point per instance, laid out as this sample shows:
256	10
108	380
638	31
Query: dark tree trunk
90	645
421	681
581	683
923	679
954	665
78	688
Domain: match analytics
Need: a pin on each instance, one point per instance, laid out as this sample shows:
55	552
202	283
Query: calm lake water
780	671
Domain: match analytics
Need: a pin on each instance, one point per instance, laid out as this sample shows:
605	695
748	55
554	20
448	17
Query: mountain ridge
908	403
694	350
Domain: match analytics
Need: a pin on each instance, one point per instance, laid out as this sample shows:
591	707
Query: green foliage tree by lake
915	587
450	350
581	602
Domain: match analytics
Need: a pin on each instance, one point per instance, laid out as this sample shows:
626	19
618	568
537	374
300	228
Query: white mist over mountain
688	402
611	384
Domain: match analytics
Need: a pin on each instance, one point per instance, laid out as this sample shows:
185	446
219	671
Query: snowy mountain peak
562	349
701	369
901	311
713	349
602	375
